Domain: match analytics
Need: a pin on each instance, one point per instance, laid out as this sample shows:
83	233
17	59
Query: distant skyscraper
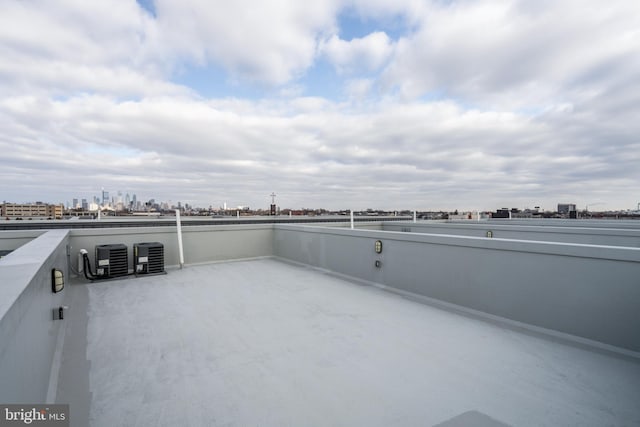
105	197
75	204
118	203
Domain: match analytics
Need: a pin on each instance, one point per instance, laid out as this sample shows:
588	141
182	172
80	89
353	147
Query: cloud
361	54
267	42
324	155
75	47
359	89
514	54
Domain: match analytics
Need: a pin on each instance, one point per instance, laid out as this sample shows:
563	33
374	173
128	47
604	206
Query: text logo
34	415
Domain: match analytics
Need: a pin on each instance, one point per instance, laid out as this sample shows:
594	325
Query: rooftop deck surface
267	343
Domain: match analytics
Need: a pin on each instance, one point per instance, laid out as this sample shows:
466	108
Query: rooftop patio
266	342
287	324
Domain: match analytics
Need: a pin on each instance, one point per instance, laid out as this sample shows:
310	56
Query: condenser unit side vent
148	258
111	261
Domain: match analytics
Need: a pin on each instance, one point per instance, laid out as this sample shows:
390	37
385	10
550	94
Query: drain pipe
179	229
351	219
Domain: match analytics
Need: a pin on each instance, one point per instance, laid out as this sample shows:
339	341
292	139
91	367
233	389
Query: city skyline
77	201
130	202
432	105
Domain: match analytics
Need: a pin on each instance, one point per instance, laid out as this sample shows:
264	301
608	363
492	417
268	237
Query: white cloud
427	155
270	42
361	54
75	47
515	54
359	89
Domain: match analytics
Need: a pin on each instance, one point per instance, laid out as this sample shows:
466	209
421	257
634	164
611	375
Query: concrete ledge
617	253
12	240
553	222
627	237
28	332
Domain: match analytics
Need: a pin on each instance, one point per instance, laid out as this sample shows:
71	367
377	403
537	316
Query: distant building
30	210
463	215
501	213
513	213
566	208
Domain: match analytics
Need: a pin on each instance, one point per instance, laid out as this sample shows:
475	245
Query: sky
382	104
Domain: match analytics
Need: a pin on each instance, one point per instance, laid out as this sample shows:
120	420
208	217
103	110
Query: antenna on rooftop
272	211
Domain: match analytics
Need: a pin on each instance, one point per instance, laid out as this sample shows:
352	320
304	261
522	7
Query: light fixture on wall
57	280
378	246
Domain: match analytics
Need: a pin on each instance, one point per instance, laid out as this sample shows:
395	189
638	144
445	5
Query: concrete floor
266	343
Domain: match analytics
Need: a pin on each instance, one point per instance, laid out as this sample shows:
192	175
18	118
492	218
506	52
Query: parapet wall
586	291
561	233
207	243
13	239
28	330
201	244
554	222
